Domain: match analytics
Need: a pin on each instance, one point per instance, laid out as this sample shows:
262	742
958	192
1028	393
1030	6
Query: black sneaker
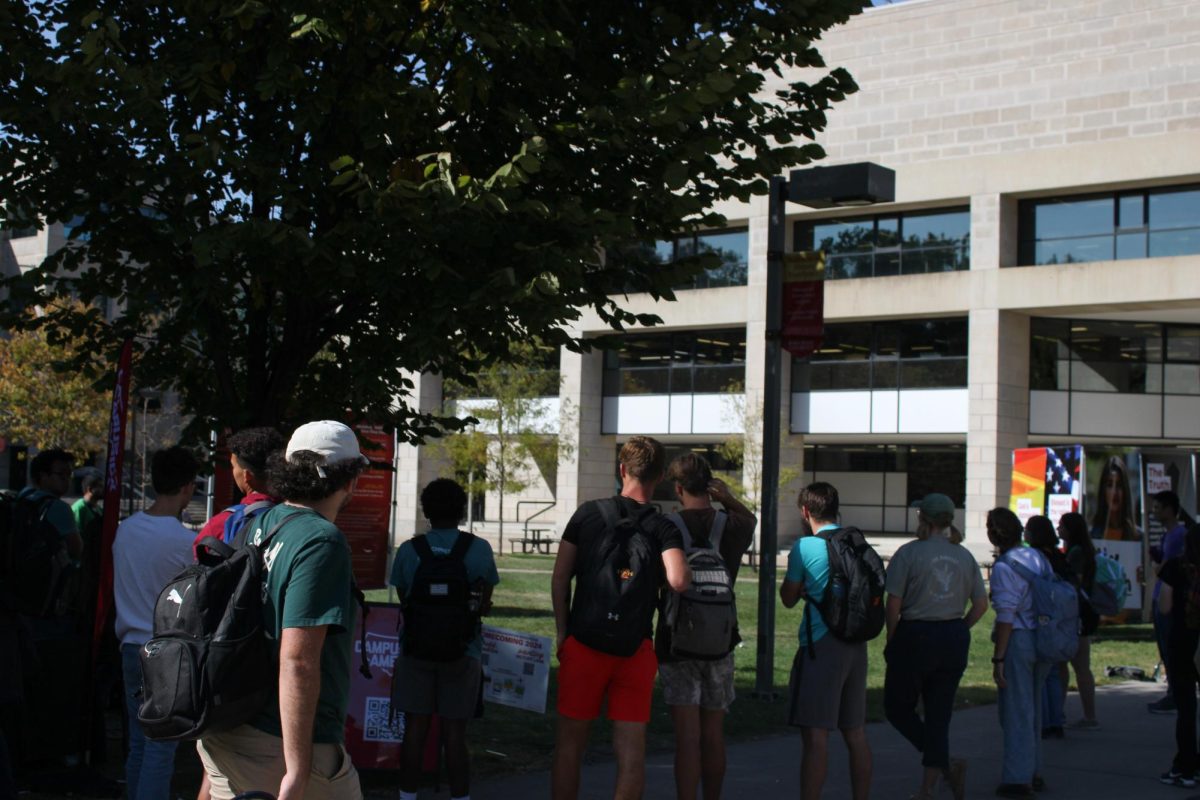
1164	706
1176	778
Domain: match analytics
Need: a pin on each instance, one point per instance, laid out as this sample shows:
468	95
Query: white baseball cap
333	440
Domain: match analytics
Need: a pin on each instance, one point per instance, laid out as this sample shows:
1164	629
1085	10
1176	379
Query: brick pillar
588	471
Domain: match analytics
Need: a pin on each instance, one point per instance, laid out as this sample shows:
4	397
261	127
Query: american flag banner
1064	480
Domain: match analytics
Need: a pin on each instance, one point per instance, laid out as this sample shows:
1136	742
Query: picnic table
536	540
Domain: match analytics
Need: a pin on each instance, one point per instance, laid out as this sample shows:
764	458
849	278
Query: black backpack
701	622
617	578
440	617
35	567
852	605
208	666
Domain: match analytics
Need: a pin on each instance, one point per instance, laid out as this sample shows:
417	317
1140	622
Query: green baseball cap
936	507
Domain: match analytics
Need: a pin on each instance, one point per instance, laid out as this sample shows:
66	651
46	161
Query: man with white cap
294	747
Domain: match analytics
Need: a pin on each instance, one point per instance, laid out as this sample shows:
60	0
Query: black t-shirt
1179	575
587	524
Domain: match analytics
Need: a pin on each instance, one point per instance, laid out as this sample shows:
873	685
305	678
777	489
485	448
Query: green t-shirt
309	584
85	516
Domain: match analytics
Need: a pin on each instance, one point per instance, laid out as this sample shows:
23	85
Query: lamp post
819	187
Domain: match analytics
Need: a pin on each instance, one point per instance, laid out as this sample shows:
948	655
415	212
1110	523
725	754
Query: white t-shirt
147	553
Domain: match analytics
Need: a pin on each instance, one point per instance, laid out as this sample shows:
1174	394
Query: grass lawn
524	740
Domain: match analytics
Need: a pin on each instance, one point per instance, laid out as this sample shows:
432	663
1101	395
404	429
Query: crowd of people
637	596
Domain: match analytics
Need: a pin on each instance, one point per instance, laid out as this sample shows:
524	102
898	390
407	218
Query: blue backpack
241	517
1056	608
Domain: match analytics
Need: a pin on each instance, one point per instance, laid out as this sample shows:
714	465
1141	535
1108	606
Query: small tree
513	437
744	450
43	401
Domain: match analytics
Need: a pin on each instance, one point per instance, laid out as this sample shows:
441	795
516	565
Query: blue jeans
1021	709
150	764
1053	697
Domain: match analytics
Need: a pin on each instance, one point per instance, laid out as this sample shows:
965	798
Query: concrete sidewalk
1121	760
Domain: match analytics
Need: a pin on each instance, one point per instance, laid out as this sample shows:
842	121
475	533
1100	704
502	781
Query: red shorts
585	675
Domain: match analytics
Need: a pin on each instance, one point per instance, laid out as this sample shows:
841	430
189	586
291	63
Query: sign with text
1046	480
366	520
516	668
803	324
373	737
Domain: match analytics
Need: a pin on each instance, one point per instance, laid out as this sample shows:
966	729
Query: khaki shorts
708	684
245	759
450	689
830	690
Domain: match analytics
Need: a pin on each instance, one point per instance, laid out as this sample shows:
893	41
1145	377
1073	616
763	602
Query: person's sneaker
1164	706
956	778
1174	777
1084	725
1014	790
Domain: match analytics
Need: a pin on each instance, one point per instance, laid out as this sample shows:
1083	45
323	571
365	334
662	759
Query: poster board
366	520
373	739
516	668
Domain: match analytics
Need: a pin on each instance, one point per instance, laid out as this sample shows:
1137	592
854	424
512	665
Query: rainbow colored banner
1046	480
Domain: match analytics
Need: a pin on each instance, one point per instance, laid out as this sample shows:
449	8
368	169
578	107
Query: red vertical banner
373	734
112	490
366	521
803	323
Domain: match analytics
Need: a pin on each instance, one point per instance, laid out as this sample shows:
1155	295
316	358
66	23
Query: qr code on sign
376	725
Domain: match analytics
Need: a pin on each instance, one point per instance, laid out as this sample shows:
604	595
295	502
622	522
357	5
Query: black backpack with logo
852	605
616	584
208	666
35	567
440	617
701	622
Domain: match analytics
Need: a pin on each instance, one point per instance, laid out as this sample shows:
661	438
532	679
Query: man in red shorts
617	551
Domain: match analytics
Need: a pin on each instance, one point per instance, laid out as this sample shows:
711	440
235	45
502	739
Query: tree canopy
296	203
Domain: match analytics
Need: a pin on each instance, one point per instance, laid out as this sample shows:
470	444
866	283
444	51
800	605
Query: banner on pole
112	491
803	323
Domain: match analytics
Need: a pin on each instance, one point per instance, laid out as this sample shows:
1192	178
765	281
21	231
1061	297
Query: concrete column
415	466
588	470
998	375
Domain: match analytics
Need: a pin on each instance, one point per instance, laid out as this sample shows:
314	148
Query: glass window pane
830	376
1181	379
1074	251
1101	340
1175	243
646	350
848	236
932	260
801	376
939	228
933	373
1060	218
1108	376
664	252
887	264
1049	354
885	375
887	339
938	469
720	346
845	342
733	249
933	337
716	380
1183	343
1131	211
1131	245
1177	208
887	232
645	381
612	383
681	380
838	267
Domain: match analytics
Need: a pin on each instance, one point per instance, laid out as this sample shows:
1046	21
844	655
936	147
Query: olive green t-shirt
309	584
935	579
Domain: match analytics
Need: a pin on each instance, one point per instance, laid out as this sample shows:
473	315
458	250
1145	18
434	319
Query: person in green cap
930	581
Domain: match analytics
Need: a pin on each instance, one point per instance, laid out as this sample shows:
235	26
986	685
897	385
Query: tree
44	401
297	203
744	450
514	437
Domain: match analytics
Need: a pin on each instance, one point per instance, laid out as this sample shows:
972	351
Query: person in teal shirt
828	686
421	688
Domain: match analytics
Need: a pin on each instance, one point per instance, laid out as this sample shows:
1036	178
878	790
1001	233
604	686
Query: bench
537	540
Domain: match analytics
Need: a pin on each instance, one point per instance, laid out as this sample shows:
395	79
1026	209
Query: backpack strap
611	511
677	519
1020	569
421	545
461	545
717	530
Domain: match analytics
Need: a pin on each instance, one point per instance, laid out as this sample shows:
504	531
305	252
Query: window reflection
928	241
1116	357
914	354
700	362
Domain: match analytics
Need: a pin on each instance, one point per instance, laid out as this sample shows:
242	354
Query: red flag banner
112	491
803	324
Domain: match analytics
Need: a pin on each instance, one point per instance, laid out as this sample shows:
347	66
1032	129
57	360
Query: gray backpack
702	622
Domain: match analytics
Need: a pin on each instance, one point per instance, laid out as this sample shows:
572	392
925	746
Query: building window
1116	357
683	362
895	244
729	247
877	484
1152	223
909	354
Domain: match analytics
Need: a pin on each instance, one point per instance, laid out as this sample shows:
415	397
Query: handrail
549	505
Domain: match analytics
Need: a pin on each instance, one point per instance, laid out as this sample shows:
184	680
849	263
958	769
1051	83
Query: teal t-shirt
480	564
58	513
808	563
309	583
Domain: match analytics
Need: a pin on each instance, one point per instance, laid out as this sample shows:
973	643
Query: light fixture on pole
818	187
